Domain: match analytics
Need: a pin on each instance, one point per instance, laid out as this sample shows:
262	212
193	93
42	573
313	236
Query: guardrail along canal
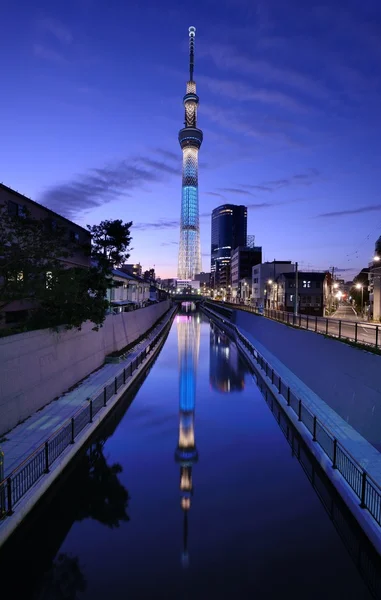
189	491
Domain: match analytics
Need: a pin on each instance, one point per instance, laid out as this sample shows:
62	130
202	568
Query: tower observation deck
190	139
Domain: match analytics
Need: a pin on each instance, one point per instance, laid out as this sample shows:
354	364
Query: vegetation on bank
33	271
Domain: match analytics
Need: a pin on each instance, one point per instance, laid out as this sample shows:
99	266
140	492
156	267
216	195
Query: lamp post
270	282
358	287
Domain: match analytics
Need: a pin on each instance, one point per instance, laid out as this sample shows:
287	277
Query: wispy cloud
169	243
243	92
230	190
55	28
46	53
351	211
243	125
227	57
101	185
161	224
216	194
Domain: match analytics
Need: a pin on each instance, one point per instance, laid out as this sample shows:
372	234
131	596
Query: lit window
306	284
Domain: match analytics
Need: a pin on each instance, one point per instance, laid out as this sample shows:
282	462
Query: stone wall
38	366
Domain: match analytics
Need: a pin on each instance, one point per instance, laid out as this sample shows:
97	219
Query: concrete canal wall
346	378
38	366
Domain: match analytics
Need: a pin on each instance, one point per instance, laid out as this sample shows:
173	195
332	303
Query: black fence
19	482
359	332
363	485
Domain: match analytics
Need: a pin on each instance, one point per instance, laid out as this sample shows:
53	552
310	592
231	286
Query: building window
308	299
291	297
16	210
306	284
318	285
74	236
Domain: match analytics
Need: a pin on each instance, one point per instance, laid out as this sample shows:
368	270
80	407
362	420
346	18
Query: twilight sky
290	106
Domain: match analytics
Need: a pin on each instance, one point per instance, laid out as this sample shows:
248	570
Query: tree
110	242
31	269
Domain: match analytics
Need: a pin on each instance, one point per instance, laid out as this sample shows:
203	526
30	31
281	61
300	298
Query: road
350	328
345	312
343	324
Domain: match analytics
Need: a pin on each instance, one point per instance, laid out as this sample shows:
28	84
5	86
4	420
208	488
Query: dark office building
229	230
242	261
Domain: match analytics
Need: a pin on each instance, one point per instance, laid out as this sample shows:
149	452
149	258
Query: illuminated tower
188	332
190	138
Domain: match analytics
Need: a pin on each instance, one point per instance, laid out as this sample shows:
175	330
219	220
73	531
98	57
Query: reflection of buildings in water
226	370
188	332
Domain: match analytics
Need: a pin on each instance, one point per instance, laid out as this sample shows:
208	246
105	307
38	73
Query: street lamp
359	286
270	282
376	258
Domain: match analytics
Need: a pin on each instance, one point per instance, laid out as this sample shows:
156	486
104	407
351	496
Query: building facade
133	269
242	261
190	139
229	230
313	293
262	276
17	203
128	292
78	241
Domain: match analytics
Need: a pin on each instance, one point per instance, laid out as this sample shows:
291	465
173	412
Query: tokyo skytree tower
190	138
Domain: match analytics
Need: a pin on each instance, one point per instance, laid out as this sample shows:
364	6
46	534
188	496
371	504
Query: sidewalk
26	437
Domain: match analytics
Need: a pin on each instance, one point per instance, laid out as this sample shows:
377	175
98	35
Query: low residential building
313	293
128	292
262	276
17	203
243	259
77	236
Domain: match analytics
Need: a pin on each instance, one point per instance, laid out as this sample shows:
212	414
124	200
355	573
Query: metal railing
359	332
14	487
364	486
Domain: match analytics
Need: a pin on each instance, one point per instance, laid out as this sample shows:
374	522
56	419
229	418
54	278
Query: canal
189	491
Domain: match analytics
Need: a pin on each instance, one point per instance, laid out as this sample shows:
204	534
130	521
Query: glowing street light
359	286
376	258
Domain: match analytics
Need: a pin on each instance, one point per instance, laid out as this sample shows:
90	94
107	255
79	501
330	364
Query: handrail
12	488
290	318
365	495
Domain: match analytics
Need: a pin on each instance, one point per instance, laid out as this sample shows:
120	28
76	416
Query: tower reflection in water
188	336
226	371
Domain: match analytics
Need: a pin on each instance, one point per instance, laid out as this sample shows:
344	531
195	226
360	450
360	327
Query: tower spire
192	34
190	138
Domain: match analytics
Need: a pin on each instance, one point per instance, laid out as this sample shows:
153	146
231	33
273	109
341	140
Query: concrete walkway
26	437
365	454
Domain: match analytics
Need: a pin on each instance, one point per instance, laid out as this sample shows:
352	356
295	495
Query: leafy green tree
110	242
31	270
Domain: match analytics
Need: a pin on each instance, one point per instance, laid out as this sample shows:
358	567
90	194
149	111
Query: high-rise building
190	138
229	230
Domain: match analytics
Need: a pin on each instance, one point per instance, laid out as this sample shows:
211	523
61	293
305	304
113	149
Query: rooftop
25	198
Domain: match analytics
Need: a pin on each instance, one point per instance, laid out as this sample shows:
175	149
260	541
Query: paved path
29	435
368	457
345	312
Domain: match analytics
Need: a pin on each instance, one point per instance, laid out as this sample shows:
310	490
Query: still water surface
191	493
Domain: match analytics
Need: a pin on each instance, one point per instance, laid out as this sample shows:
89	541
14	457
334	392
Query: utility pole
296	296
